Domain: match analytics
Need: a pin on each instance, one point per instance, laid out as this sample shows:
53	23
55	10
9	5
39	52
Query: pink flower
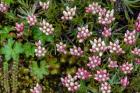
137	60
112	64
3	7
115	47
71	83
105	87
69	13
76	51
36	89
83	74
130	37
19	27
101	76
31	20
44	5
124	81
61	48
137	24
94	61
83	33
126	68
106	32
136	51
98	46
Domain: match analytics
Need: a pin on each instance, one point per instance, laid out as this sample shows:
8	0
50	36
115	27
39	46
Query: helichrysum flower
39	51
3	7
115	47
98	46
124	81
94	61
82	74
101	76
46	27
126	68
130	37
112	63
83	33
61	48
31	19
105	87
69	13
19	27
136	51
36	89
137	23
106	32
93	8
106	18
44	5
71	83
76	51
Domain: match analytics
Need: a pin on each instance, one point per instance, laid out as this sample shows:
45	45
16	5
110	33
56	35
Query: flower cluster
126	68
76	51
137	24
69	13
130	37
46	28
101	75
124	81
3	7
136	51
98	46
137	60
19	28
31	19
112	63
106	32
83	33
71	83
44	5
94	61
82	74
93	8
115	47
105	87
39	51
36	89
61	48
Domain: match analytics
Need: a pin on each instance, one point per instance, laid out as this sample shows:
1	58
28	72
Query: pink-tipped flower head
106	32
3	7
105	87
101	76
31	19
39	51
76	51
36	89
137	23
71	83
98	46
94	61
112	63
83	74
83	33
126	68
46	28
115	48
61	48
124	81
130	37
19	27
137	60
69	13
136	51
44	5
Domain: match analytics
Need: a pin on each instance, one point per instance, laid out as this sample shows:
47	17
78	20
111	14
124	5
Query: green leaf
8	1
28	49
39	71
